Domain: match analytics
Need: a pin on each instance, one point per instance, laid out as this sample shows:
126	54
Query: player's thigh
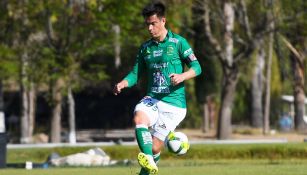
147	106
170	115
169	118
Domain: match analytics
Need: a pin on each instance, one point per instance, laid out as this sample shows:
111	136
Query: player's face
155	26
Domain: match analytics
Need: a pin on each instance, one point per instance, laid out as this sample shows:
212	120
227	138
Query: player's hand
119	86
176	79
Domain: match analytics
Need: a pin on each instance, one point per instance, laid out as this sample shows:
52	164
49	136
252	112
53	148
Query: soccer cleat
148	163
143	172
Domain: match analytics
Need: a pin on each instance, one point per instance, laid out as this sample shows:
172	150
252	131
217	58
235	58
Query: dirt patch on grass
291	136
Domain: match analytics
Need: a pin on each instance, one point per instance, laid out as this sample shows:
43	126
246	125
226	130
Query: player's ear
163	20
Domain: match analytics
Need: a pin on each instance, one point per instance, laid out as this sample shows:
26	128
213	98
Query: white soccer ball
178	143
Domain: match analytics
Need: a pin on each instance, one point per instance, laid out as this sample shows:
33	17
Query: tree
76	35
18	33
67	44
257	86
246	40
206	85
293	33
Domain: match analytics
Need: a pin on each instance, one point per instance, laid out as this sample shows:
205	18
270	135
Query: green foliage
8	62
194	117
81	49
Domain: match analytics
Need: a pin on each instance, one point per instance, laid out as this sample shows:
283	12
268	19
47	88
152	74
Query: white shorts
163	117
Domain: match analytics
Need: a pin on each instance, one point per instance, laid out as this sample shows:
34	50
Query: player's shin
144	139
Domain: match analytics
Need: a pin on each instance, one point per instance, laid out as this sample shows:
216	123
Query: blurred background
60	59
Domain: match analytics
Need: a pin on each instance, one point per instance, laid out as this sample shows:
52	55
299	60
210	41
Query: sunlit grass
183	167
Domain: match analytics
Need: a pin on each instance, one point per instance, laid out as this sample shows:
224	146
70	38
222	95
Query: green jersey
158	60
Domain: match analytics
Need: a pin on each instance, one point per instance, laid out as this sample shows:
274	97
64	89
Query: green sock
144	139
156	157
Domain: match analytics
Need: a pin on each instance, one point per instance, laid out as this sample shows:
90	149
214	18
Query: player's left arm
190	60
179	78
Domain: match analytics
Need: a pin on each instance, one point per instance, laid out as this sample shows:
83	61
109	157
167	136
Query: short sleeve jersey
157	60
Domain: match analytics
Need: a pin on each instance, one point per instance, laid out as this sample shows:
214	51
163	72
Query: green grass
250	159
184	167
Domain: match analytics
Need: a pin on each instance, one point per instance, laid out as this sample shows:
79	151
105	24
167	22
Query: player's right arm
119	86
133	76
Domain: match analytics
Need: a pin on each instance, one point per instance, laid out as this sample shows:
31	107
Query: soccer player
161	59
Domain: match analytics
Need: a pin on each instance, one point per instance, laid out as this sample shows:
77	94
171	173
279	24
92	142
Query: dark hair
155	8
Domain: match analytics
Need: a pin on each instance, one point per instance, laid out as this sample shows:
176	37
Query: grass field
184	167
250	159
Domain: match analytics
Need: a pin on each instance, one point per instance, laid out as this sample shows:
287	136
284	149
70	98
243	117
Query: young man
162	60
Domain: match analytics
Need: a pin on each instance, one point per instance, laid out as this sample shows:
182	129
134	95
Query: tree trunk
299	95
256	90
267	105
228	92
24	122
56	111
297	60
230	75
116	29
2	115
32	108
72	118
205	124
28	102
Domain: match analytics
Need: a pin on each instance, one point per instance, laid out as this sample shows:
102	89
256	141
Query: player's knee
140	118
137	120
156	149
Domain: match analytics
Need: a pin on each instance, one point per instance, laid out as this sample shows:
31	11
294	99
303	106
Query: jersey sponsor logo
174	40
159	66
157	53
160	85
163	126
160	90
187	52
159	79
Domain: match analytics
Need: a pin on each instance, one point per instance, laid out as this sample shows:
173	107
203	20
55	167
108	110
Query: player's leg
169	118
145	115
157	147
142	133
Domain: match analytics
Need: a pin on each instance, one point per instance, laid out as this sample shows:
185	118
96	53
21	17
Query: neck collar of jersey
168	34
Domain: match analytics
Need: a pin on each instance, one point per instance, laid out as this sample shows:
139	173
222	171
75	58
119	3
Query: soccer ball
177	142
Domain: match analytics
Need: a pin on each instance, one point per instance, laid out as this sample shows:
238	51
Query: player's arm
119	86
190	60
133	76
178	78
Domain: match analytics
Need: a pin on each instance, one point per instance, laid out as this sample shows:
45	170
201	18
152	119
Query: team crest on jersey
169	50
